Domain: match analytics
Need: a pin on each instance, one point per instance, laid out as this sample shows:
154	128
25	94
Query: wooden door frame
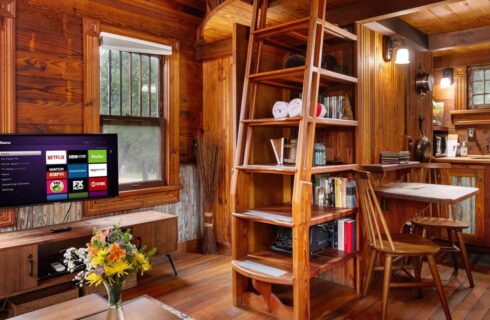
7	84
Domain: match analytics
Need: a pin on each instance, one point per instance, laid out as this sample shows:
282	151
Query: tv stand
24	253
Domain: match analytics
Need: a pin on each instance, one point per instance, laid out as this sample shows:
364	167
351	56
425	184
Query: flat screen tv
37	169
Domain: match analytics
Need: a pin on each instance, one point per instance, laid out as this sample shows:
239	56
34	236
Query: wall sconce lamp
447	79
389	47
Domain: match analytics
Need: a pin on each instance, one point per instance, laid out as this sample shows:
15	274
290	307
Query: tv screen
36	169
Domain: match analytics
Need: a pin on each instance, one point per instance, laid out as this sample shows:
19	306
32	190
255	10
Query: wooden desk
72	309
401	201
424	192
94	307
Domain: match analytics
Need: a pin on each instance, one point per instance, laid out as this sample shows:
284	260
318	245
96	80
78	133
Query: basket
43	298
131	282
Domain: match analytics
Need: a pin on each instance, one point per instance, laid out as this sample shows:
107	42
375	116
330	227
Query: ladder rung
282	28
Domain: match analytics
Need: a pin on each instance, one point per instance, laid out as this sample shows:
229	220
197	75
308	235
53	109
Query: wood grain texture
7	83
191	293
49	62
451	16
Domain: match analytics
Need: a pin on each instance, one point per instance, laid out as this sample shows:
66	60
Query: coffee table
94	307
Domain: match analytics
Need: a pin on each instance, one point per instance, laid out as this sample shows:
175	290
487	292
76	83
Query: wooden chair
442	217
394	246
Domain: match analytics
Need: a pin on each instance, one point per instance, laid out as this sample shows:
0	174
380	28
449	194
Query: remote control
62	229
58	267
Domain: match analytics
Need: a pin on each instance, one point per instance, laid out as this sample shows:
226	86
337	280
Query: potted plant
109	258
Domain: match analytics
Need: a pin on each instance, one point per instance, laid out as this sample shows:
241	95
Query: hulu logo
97	156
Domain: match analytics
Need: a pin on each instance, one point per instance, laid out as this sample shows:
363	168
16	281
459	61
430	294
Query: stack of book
334	106
342	234
388	157
346	235
330	191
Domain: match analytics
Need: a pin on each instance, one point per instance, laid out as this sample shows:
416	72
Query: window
131	87
479	87
131	105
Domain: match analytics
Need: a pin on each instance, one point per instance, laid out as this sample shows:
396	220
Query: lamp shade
402	56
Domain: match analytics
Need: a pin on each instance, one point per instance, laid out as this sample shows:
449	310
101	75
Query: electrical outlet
471	134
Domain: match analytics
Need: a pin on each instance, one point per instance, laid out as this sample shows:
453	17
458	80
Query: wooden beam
7	83
462	59
459	39
214	50
397	27
368	10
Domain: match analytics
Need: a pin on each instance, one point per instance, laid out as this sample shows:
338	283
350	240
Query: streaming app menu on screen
56	168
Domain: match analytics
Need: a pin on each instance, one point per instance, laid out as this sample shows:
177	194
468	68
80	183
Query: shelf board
292	78
294	121
334	168
338	32
272	122
281	215
377	168
440	129
256	265
284	28
326	122
271	168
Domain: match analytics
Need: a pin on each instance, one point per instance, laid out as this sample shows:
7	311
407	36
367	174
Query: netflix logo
56	157
97	184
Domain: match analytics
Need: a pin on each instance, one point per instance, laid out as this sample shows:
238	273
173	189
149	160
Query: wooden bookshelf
257	186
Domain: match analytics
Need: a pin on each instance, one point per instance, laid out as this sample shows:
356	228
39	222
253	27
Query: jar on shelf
319	155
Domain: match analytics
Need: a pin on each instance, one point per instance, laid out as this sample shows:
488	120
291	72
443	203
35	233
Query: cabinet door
19	270
162	235
470	210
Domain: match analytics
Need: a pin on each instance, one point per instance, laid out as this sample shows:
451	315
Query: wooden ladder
309	78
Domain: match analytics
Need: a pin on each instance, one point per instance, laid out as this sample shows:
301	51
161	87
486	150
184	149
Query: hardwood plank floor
203	290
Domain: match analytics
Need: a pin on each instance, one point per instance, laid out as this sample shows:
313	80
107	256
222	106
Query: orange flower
92	250
100	236
115	252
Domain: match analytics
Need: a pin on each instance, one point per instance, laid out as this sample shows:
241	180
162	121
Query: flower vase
114	296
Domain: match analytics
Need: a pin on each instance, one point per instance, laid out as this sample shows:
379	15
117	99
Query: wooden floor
203	291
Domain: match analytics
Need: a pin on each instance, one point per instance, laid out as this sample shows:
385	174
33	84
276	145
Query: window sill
133	199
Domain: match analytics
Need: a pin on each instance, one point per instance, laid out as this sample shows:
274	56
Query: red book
349	236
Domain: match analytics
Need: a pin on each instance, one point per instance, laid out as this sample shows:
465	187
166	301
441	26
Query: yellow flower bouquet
109	258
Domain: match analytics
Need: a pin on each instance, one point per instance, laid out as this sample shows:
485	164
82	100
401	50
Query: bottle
464	149
351	192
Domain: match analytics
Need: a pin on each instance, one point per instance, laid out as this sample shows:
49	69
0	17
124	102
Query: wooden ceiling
218	24
451	17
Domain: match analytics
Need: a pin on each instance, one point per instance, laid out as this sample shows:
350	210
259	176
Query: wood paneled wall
387	99
455	97
49	83
49	58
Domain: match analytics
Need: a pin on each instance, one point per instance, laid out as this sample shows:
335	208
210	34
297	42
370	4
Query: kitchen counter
471	159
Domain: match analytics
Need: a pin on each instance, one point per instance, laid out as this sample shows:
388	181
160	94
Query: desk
404	200
424	192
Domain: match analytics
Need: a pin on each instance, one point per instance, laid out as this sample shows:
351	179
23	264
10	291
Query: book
341	234
349	235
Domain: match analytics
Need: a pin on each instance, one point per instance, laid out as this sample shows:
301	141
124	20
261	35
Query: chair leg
466	261
453	254
386	286
369	275
417	261
437	282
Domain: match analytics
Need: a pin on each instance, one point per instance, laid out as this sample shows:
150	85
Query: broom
208	154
